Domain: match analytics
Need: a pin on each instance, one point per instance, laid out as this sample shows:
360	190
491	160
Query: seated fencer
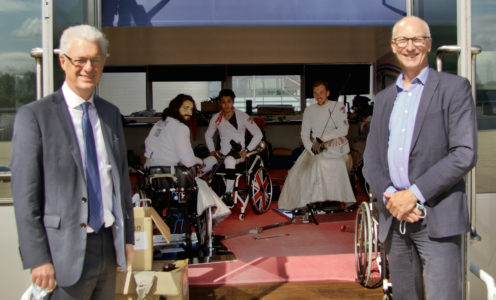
232	125
169	142
168	146
321	172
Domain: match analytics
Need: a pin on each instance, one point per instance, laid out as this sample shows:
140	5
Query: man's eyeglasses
418	41
82	61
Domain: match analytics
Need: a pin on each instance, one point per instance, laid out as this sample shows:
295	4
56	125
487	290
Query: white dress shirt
401	126
74	104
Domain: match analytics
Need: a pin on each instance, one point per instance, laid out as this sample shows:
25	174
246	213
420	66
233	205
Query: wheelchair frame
370	256
253	185
203	224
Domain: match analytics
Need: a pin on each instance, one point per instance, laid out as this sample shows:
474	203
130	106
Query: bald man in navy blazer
422	142
49	181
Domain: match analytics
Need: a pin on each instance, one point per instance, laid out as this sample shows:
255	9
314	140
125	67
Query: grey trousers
414	254
97	280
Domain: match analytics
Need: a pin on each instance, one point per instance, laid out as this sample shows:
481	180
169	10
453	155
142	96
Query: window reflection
483	35
267	90
20	23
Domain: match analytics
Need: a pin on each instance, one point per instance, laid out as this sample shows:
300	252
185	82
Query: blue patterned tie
92	173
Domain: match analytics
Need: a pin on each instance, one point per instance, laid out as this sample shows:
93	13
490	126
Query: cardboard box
143	244
172	284
210	106
144	218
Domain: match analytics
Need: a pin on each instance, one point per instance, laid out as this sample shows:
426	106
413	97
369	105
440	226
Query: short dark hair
321	82
173	109
228	93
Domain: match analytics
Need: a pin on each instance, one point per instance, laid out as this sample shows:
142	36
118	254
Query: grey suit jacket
49	186
443	150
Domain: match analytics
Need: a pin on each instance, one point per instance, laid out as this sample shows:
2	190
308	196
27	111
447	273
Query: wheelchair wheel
363	249
204	232
367	256
261	191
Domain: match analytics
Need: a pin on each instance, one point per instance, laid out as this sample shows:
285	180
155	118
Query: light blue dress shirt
401	127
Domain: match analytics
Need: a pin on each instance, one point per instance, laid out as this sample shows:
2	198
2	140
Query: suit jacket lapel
67	127
425	101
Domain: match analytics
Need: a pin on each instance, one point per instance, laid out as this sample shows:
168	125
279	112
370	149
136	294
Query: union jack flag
260	193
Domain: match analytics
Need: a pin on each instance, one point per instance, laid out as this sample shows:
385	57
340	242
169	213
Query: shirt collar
420	78
72	99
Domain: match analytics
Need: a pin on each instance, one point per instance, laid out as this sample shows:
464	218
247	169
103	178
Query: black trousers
98	277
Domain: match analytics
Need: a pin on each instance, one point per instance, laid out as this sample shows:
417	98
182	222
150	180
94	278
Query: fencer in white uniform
231	125
319	177
169	143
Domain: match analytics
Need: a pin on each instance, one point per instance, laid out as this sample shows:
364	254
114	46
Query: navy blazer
443	150
49	186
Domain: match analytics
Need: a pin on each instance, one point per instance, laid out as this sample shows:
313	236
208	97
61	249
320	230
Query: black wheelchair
252	183
173	194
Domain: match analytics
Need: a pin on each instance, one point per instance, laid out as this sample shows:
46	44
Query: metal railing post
37	54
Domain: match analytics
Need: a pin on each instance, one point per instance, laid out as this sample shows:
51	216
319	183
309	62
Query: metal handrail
37	54
486	278
446	49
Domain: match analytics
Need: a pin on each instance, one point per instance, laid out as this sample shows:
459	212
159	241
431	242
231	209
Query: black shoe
227	198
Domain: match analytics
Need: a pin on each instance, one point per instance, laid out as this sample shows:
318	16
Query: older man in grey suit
70	180
422	141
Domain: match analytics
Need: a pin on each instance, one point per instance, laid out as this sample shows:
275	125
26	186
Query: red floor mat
232	223
293	240
290	253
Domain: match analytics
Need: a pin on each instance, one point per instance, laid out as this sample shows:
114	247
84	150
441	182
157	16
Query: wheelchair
370	256
252	183
173	193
